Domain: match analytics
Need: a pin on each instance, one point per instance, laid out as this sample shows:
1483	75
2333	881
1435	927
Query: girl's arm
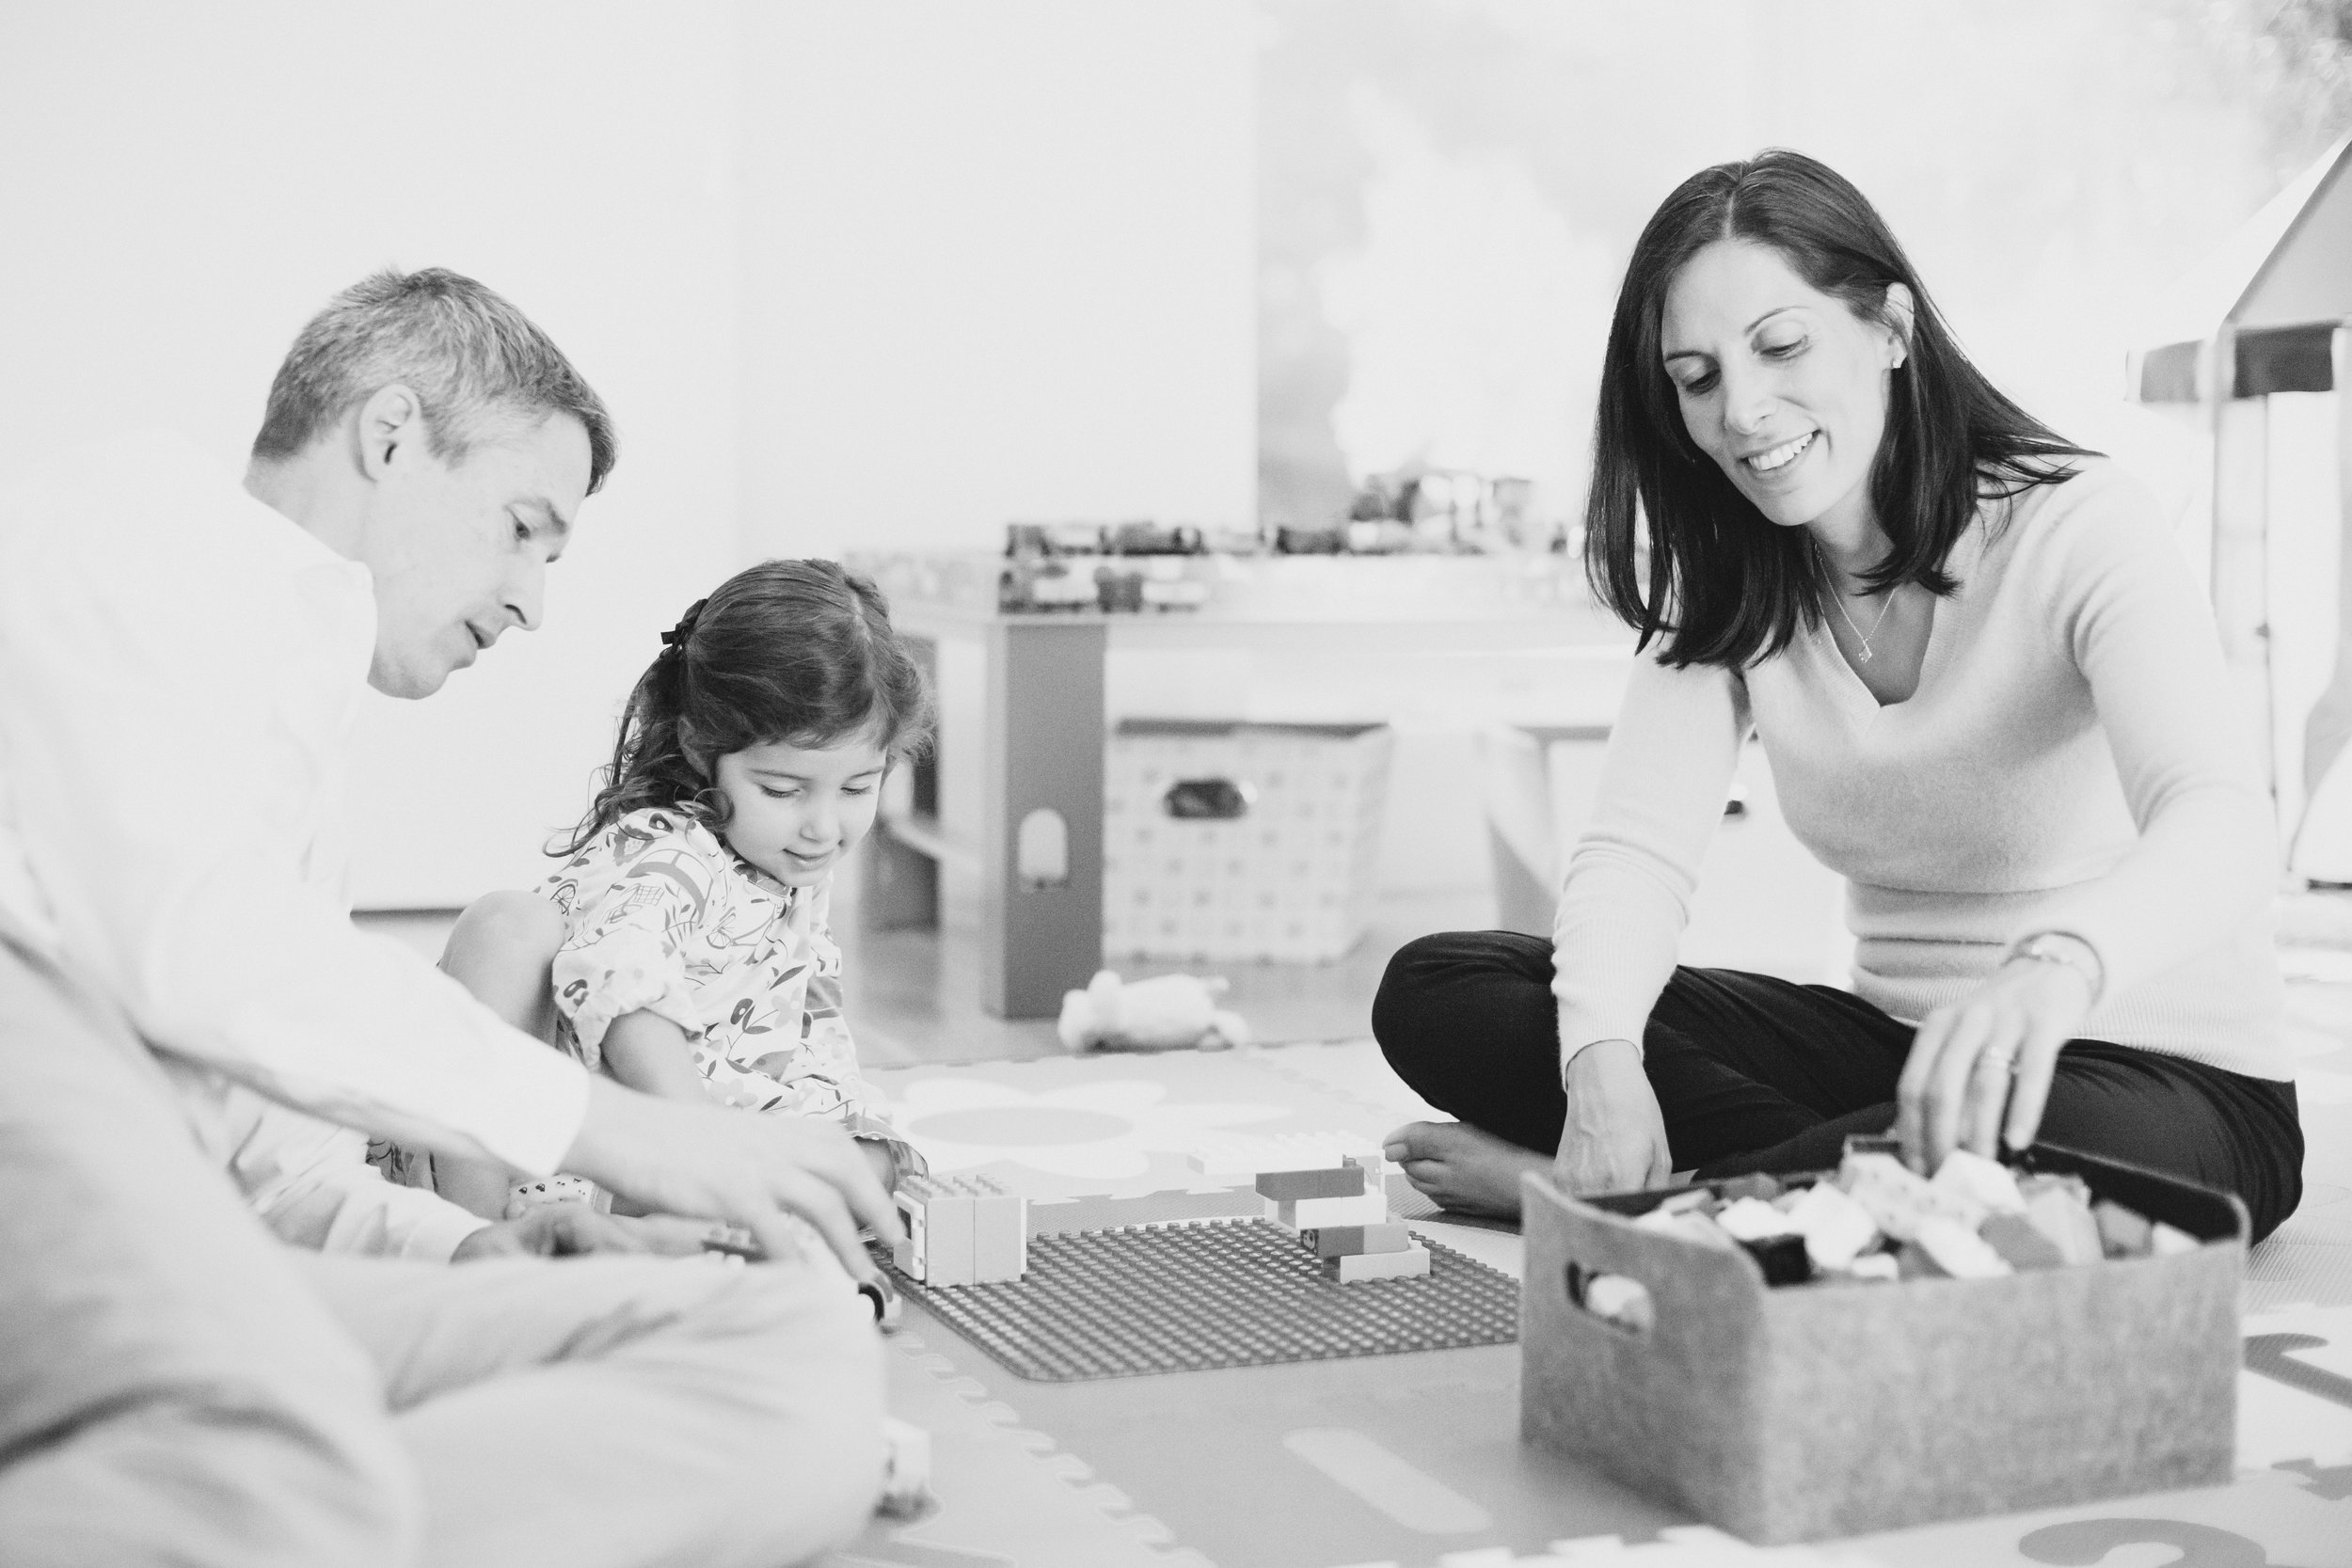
639	895
651	1054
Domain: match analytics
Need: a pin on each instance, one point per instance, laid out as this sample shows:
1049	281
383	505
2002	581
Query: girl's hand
1614	1138
1994	1049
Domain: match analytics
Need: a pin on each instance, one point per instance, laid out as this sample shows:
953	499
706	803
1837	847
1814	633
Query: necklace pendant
1865	653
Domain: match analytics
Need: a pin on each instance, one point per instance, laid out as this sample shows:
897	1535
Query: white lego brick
1410	1263
1000	1233
1313	1213
912	1256
942	1208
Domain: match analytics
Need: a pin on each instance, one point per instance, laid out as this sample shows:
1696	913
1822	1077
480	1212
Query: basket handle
1618	1300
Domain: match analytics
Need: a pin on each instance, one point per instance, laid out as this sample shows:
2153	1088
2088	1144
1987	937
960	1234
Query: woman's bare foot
1462	1167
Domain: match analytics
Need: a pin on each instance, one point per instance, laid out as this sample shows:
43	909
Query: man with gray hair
185	1011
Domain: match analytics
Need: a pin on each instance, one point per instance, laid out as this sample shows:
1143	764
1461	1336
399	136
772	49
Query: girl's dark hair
1720	584
796	651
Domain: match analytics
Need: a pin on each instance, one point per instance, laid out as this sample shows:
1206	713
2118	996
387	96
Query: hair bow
676	637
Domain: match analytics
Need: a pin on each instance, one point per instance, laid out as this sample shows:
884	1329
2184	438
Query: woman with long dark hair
1992	700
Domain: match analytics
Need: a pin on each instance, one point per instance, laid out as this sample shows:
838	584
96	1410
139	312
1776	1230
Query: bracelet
2063	947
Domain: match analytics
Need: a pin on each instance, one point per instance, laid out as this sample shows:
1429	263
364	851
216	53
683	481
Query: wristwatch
2063	947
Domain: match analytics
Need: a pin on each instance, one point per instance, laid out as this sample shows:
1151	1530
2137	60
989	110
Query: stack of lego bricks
961	1230
1341	1215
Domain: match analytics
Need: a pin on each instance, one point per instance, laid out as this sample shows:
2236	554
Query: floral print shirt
662	915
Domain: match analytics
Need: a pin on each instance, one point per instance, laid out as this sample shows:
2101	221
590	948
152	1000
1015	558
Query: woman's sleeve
2122	597
1633	873
643	890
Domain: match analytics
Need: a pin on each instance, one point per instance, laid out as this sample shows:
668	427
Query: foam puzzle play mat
1161	1381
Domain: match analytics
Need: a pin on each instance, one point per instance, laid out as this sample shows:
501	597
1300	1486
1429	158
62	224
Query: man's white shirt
181	668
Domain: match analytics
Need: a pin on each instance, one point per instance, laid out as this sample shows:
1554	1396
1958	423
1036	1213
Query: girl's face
798	811
1781	385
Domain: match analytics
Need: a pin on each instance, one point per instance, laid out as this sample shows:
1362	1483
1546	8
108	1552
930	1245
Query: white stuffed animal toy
1170	1012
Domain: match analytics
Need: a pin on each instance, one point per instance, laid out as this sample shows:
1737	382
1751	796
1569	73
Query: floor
1048	1475
1413	1460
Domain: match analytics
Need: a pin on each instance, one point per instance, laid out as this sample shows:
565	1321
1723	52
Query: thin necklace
1839	599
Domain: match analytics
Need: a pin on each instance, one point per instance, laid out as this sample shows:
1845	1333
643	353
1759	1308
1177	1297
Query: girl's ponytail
650	765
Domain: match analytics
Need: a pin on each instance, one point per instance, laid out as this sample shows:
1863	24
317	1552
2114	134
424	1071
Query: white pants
177	1386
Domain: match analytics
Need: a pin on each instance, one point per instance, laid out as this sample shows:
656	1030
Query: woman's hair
793	651
1721	585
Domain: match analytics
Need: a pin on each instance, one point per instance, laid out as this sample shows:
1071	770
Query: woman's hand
1994	1049
1614	1138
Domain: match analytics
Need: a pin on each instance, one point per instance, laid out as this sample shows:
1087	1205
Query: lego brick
2017	1238
1000	1233
1314	1213
1285	1186
1411	1264
2122	1233
911	1255
1351	1241
937	1212
2059	1213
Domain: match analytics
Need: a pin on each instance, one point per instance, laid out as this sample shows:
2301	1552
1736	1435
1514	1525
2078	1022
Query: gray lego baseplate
1170	1298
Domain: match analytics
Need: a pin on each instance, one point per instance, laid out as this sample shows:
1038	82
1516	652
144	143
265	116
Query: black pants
1756	1074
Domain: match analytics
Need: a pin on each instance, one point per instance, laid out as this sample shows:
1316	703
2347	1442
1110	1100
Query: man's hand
717	1164
1615	1139
571	1230
1980	1068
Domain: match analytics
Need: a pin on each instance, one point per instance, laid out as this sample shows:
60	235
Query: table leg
1041	933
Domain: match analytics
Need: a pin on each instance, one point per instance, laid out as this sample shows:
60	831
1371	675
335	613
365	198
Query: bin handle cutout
1622	1303
1208	799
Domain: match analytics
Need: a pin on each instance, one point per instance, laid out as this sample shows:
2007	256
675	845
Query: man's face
460	551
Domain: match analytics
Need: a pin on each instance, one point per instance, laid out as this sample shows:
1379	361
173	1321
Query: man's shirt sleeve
175	695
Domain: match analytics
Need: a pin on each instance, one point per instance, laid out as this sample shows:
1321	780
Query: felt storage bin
1804	1412
1233	841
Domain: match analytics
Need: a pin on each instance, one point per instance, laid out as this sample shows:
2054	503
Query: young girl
691	952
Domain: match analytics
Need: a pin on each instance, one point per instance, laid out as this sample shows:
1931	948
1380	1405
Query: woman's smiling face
1782	385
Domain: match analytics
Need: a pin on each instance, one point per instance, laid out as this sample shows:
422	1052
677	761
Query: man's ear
1900	309
391	428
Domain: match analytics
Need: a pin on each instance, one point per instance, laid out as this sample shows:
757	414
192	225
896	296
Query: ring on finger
2004	1062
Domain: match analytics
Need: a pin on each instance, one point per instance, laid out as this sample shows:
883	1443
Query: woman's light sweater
2071	761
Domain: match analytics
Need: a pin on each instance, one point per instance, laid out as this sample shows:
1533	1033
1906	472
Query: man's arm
310	1183
174	693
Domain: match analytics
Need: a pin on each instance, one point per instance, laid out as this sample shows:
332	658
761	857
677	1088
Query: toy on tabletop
1170	1012
961	1230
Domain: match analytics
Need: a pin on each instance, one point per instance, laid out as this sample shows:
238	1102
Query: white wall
998	262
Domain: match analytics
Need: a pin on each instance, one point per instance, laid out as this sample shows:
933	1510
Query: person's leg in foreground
171	1388
596	1413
